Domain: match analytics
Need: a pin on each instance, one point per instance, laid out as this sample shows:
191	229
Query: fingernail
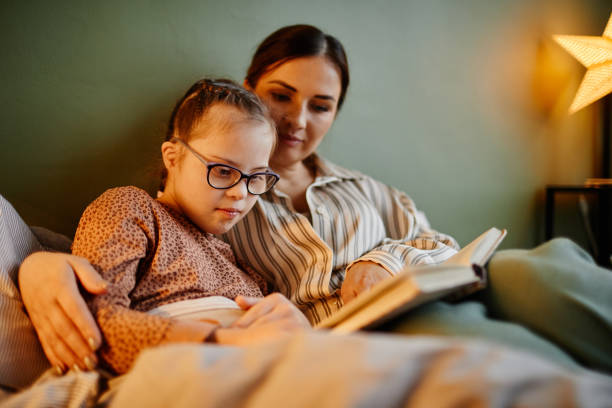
92	343
89	363
76	368
58	370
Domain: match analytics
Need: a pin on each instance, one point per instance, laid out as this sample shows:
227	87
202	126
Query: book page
479	250
416	285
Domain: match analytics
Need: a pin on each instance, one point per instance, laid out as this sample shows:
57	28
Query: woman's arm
65	327
409	240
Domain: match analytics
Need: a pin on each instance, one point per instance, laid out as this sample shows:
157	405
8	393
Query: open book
417	284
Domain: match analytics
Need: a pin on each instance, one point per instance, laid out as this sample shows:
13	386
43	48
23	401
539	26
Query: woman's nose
298	116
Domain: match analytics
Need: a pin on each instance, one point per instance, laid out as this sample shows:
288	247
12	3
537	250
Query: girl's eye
224	172
279	97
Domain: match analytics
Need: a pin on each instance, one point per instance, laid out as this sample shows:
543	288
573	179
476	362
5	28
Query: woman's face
302	95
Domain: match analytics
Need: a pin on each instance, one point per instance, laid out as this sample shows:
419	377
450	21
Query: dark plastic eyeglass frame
210	165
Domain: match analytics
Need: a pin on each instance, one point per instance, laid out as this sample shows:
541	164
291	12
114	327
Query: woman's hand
360	277
66	329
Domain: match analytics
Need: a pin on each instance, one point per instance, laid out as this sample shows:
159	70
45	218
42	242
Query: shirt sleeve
115	234
410	239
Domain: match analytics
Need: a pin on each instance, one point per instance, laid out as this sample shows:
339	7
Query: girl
160	251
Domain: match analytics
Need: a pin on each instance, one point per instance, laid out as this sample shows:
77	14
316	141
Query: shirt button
320	210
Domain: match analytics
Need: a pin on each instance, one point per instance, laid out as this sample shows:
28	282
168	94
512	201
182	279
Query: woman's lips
290	140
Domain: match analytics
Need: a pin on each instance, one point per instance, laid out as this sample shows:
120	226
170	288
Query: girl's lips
229	212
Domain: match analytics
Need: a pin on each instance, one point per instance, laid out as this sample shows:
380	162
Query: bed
305	370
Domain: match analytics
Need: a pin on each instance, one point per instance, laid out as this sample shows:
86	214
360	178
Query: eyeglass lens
221	176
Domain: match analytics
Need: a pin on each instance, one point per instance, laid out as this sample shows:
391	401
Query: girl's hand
273	309
360	277
66	329
267	319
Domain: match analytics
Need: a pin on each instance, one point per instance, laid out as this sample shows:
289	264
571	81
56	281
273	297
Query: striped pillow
21	357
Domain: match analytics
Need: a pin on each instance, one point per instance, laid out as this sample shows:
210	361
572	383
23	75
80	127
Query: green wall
450	101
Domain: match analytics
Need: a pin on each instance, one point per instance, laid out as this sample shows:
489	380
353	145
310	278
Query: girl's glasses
223	176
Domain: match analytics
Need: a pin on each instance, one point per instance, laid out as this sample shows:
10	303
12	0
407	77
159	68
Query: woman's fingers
74	307
59	314
56	351
66	342
88	276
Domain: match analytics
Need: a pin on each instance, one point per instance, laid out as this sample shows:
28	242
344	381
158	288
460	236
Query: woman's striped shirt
353	218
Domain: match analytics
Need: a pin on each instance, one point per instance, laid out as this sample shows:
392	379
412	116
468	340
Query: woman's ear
170	154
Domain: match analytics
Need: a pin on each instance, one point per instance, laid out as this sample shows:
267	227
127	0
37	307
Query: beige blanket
322	370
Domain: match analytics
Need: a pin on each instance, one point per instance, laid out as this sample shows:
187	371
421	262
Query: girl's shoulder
126	200
126	194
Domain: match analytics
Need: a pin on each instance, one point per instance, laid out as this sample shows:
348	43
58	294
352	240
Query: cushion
22	359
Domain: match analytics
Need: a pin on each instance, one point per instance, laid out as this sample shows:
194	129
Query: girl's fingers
263	307
246	302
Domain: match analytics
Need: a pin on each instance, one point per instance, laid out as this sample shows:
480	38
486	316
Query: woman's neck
300	173
294	181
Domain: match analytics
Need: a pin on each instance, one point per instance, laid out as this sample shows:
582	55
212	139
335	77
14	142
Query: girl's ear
170	154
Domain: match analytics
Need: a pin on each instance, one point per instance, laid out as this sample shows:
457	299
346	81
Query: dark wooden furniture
600	222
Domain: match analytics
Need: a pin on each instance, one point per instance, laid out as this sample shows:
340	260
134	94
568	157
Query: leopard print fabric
151	255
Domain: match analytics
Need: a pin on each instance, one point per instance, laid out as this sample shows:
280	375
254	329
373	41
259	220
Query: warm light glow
595	53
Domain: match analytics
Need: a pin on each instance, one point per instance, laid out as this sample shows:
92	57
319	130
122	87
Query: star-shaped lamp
595	53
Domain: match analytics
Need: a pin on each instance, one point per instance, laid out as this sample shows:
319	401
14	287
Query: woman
335	229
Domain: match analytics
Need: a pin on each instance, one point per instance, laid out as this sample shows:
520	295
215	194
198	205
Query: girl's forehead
233	134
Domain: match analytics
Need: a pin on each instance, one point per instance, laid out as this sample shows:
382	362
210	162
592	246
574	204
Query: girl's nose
239	191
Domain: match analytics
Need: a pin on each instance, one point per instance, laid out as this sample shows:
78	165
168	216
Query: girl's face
302	95
230	139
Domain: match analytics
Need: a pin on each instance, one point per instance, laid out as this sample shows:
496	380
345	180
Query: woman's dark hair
298	41
191	108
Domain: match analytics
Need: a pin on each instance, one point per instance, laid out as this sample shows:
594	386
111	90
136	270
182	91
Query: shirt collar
328	171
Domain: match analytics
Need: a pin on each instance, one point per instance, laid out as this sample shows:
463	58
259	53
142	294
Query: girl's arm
118	233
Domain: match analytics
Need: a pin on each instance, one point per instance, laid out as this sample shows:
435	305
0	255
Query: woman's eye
279	97
321	108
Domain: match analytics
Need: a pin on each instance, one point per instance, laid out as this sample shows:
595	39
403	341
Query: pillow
22	359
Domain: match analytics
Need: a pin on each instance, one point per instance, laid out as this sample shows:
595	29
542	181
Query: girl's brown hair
191	108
